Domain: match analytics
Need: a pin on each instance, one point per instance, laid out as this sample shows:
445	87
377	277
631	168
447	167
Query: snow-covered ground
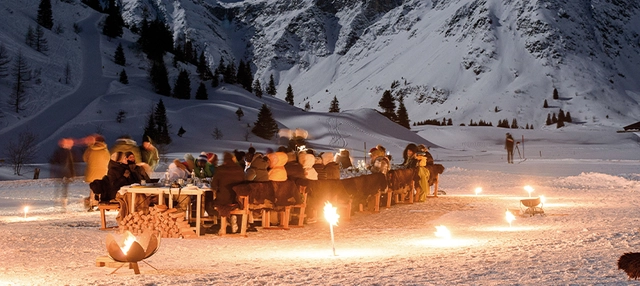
590	179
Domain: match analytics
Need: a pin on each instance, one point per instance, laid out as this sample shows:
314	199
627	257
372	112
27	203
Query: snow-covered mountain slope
465	60
452	59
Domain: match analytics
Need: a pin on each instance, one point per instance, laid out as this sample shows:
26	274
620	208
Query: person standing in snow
97	159
508	144
149	153
63	170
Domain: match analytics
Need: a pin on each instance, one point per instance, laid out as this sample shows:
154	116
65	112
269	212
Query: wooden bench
106	207
244	212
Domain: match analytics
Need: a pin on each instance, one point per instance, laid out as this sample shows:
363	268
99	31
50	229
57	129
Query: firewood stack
169	223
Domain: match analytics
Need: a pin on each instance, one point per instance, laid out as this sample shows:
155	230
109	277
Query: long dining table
161	191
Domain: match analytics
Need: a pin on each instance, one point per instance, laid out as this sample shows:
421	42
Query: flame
529	189
510	217
478	190
128	241
26	210
330	214
443	232
543	199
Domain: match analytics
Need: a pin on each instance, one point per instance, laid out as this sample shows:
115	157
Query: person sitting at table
307	161
139	171
189	162
343	159
293	168
212	158
257	170
177	170
331	168
119	173
202	168
227	175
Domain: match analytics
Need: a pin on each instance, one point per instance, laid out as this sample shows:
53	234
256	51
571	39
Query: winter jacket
343	159
150	157
117	178
257	170
293	168
331	168
62	164
227	175
125	145
204	172
177	171
277	161
307	161
380	165
97	158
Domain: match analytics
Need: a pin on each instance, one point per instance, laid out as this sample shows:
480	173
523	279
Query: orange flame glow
443	232
330	214
510	217
128	241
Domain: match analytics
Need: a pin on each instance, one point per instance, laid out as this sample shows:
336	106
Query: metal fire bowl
530	202
144	246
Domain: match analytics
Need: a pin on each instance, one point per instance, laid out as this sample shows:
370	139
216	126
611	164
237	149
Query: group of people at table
124	168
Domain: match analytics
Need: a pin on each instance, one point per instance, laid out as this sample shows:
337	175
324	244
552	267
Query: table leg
132	208
198	202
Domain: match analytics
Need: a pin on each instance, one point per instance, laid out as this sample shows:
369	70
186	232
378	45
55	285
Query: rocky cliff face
433	53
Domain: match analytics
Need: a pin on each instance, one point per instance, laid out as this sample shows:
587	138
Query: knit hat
203	157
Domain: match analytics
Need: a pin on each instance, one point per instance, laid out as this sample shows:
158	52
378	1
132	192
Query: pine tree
549	122
514	124
335	105
554	119
67	73
307	106
388	105
162	124
561	115
30	38
245	76
119	57
289	97
271	88
555	93
403	116
265	126
45	15
559	124
450	122
159	78
151	129
240	72
93	4
123	77
40	42
204	72
546	105
201	93
221	67
21	74
215	82
182	88
113	24
239	113
181	131
257	88
4	61
230	74
155	38
567	117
